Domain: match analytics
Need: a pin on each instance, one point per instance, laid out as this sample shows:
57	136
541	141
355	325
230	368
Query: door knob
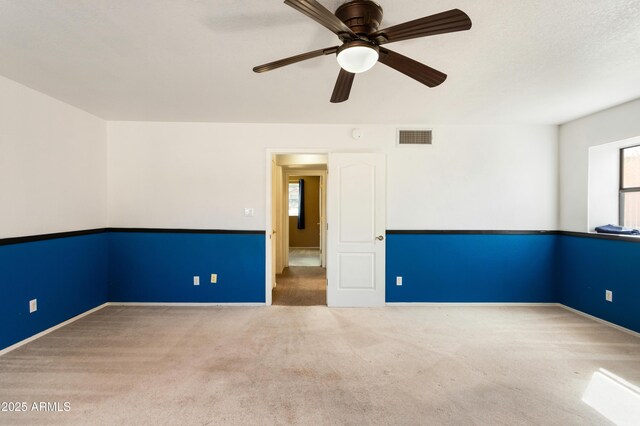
379	238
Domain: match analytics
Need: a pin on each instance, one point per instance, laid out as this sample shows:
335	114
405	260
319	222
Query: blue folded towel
620	230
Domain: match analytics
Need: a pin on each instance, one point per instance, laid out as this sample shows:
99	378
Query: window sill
596	235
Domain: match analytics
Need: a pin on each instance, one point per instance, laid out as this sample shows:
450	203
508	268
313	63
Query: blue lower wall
471	268
68	276
71	275
159	267
589	266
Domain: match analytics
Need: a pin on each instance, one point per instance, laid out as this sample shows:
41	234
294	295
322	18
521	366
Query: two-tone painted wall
53	175
120	265
62	170
589	265
71	273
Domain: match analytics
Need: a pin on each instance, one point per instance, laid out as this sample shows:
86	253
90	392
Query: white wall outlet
608	295
214	278
249	212
398	280
196	280
33	305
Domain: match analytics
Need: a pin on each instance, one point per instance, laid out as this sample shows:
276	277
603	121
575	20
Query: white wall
52	164
604	182
203	175
576	137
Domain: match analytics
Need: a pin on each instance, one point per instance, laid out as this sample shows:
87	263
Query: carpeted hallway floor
314	365
301	286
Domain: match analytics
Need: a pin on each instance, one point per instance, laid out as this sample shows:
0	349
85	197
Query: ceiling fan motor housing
362	16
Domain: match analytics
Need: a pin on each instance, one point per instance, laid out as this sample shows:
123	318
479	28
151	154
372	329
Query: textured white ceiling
524	61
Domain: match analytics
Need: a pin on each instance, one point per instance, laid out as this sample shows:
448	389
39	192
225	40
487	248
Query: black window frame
622	189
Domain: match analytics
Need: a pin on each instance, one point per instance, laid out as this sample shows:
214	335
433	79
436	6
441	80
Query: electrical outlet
249	212
214	278
398	280
196	280
33	305
608	295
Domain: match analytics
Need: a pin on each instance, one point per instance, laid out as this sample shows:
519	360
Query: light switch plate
33	305
608	295
196	280
398	280
214	278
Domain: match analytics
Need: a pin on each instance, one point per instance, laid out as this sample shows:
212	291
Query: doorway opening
298	237
352	249
304	220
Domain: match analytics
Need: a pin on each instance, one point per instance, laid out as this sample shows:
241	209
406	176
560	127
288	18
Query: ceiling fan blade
343	87
323	16
441	23
409	67
293	59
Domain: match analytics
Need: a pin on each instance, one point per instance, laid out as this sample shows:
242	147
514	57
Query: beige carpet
320	366
301	286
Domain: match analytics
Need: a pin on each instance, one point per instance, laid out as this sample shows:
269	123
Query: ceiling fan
356	25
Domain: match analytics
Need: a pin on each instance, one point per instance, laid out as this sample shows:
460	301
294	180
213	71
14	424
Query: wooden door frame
270	153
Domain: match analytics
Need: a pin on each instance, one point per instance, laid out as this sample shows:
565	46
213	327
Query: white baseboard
182	304
470	304
49	330
600	320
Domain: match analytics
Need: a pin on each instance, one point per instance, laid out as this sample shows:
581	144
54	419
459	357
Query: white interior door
356	206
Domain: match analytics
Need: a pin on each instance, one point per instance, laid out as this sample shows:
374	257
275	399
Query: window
630	187
294	199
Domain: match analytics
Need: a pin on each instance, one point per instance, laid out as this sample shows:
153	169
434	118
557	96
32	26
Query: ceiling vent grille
415	137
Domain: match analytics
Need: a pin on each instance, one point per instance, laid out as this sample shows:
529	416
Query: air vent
414	137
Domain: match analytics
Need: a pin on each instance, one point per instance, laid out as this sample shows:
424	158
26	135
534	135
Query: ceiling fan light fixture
357	56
